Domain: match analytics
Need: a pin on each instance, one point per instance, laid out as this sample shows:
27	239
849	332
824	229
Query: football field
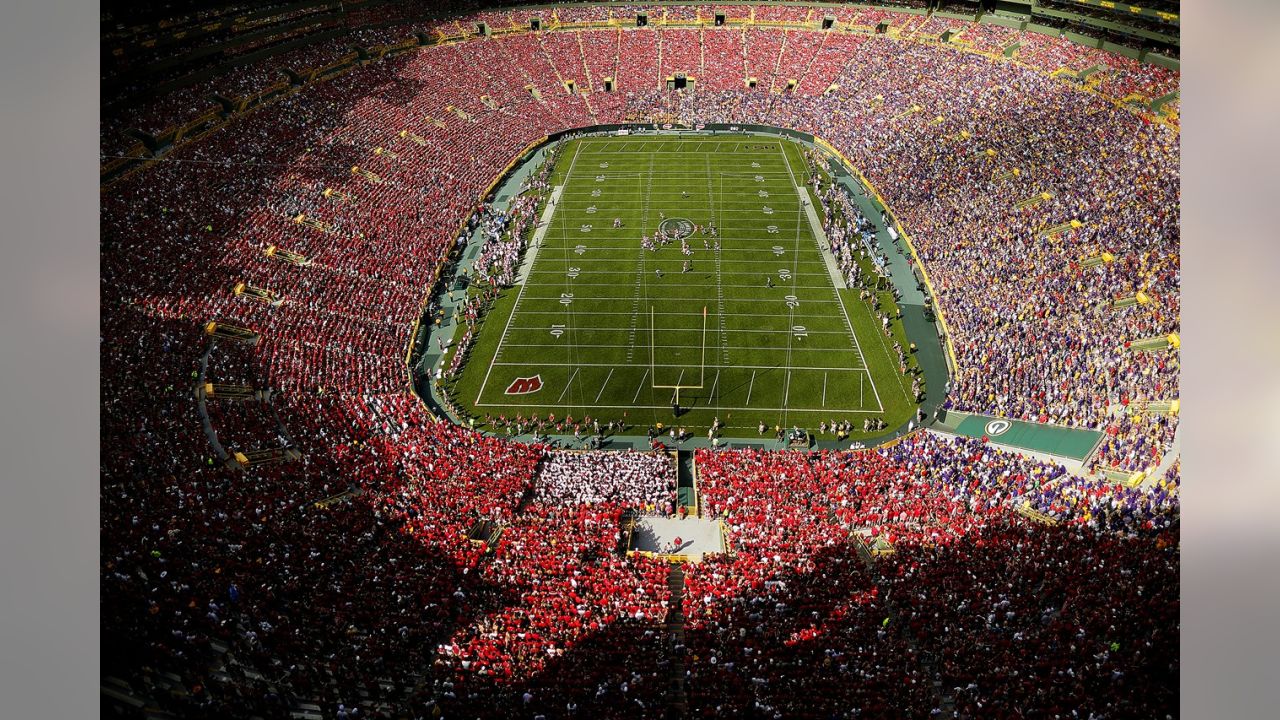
751	323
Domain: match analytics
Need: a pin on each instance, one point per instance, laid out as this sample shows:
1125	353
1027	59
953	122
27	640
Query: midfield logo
525	385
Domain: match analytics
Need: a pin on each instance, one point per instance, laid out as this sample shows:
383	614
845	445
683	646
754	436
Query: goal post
702	363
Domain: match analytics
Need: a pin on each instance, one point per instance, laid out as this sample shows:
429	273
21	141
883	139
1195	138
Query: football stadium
474	359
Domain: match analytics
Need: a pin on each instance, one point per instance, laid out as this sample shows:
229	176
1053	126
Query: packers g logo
525	385
998	427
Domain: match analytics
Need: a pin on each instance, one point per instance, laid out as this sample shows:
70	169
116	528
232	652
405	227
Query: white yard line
681	298
568	384
694	285
750	346
679	381
752	211
639	289
767	261
719	219
641	386
656	312
604	384
709	367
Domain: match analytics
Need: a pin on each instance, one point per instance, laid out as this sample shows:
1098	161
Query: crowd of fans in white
630	478
327	602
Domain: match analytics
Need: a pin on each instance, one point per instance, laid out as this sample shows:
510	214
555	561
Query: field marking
611	346
718	254
543	364
835	352
752	171
680	329
734	260
681	298
791	309
743	211
634	243
581	200
696	201
679	382
568	384
497	352
734	210
640	272
737	147
757	286
725	246
603	385
851	411
659	312
635	308
802	193
641	387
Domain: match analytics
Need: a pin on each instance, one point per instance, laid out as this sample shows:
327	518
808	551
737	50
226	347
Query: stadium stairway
1166	461
946	703
675	629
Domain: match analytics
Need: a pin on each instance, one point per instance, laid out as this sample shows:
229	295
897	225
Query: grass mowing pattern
800	352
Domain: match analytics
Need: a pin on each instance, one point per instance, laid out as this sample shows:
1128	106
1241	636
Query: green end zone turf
602	326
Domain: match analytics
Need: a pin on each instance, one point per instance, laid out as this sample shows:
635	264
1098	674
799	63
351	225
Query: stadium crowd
321	578
628	478
794	586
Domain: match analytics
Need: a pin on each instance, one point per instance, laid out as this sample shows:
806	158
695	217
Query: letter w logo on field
525	385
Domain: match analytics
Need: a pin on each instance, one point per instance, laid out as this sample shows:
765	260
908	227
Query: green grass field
603	333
